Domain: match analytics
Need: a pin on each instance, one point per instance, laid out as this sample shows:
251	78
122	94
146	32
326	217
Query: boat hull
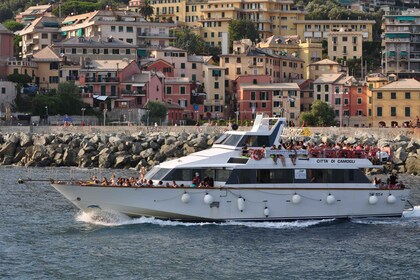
239	204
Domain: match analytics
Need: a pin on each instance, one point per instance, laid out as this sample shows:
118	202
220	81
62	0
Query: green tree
157	111
66	100
321	114
76	7
187	40
19	79
13	25
5	13
146	10
243	29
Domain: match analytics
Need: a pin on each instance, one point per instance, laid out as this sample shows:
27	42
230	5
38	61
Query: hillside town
123	57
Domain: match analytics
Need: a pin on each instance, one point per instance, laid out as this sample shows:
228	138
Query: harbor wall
136	146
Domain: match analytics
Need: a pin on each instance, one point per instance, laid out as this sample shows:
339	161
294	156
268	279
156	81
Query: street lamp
105	110
237	117
83	116
46	113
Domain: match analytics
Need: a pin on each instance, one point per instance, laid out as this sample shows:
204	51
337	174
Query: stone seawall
131	147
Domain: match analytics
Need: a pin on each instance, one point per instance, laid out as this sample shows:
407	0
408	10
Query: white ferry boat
248	185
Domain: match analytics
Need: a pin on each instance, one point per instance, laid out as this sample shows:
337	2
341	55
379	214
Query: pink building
252	96
6	50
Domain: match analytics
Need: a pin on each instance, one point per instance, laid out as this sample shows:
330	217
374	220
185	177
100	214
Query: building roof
278	39
139	78
50	22
325	62
110	64
172	49
401	84
269	86
328	78
36	10
4	30
199	58
46	55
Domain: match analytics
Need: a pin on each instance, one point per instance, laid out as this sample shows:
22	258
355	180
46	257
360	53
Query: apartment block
309	52
401	42
345	44
40	33
34	12
249	60
125	26
210	18
318	30
256	94
395	103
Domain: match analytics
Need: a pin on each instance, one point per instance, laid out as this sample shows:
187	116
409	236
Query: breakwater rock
99	150
124	150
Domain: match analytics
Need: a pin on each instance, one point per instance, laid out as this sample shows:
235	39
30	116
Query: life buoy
257	154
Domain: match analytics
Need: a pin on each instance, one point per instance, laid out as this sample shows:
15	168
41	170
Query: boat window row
262	176
270	176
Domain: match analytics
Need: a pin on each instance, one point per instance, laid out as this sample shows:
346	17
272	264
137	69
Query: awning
410	18
397	35
100	97
138	85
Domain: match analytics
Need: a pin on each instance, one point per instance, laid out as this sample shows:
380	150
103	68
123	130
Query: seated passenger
196	180
393	178
244	150
104	182
281	156
274	156
292	153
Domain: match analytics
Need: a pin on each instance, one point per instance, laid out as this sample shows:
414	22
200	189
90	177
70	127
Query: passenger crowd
143	182
295	149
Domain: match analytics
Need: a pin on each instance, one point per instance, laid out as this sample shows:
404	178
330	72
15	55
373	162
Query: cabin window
308	176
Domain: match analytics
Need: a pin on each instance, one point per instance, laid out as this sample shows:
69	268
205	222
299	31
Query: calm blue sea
43	236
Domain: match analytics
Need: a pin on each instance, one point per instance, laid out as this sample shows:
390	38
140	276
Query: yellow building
395	103
309	52
345	44
318	30
325	66
374	80
210	18
248	60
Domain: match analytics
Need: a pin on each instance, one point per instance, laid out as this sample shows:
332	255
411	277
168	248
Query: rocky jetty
120	150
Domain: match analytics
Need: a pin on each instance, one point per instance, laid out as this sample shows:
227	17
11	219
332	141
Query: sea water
43	236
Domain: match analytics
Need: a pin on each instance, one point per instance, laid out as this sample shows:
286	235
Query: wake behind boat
251	176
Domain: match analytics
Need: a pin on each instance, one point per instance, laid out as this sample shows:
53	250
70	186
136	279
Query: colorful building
395	103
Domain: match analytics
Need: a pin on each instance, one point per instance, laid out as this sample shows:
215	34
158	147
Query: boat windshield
156	173
229	139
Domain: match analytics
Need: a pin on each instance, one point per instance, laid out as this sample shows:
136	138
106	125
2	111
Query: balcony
101	80
255	64
154	35
133	92
72	78
397	40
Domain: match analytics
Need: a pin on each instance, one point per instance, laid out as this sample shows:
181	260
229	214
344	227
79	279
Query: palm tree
146	9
